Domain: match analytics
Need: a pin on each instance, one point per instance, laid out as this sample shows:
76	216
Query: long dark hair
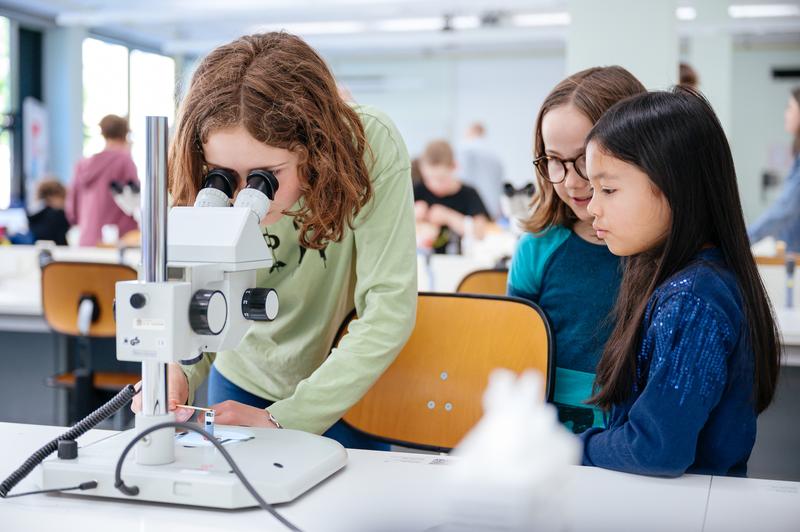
677	140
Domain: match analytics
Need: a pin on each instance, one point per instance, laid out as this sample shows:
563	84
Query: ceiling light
410	24
314	28
763	10
540	19
686	13
465	22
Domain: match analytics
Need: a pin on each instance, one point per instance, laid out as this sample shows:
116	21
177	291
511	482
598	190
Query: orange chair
489	282
431	395
68	287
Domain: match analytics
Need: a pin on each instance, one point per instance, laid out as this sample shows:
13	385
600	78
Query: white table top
404	491
789	324
753	504
20	285
20	276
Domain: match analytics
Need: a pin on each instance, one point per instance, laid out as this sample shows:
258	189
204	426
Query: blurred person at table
445	209
50	223
90	203
782	219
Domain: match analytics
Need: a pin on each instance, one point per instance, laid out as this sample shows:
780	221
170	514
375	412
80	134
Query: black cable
77	430
134	490
92	484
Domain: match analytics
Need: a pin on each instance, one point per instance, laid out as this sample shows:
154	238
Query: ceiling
192	27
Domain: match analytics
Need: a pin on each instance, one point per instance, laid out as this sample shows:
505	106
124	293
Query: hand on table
236	413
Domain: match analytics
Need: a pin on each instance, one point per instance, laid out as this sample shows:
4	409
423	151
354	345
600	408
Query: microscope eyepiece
217	190
264	181
258	193
222	180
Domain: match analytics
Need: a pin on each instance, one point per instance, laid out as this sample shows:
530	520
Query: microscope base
280	464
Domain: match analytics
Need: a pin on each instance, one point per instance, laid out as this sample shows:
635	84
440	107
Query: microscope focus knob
208	312
260	304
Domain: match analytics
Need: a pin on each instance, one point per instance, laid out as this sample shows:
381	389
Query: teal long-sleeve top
575	282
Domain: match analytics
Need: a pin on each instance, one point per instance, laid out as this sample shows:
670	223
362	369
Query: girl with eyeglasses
694	354
559	263
341	229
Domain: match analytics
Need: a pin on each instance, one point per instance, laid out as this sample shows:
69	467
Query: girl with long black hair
694	355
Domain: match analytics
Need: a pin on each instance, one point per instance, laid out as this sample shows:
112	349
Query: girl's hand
426	235
441	216
420	210
177	394
236	413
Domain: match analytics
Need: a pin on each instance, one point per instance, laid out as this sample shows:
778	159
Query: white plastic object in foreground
281	465
516	458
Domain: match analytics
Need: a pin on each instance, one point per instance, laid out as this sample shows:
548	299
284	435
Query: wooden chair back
65	284
489	282
431	395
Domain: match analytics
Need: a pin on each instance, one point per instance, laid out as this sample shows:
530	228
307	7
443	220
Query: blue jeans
221	389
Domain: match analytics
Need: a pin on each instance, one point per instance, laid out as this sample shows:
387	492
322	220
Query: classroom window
124	82
5	107
105	88
152	92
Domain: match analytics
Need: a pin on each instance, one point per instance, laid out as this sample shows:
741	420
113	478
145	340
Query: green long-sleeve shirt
372	269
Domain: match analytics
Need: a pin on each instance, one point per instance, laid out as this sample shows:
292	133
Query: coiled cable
77	430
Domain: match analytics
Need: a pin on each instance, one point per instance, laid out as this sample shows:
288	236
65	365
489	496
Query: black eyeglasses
555	170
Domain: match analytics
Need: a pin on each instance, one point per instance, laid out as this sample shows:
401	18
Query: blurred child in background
90	203
446	210
50	223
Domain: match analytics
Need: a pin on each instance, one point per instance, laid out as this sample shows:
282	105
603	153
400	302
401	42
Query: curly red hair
282	92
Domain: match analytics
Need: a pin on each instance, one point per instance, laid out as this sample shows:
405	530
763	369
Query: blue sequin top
692	409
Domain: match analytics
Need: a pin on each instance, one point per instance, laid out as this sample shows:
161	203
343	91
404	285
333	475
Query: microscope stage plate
280	464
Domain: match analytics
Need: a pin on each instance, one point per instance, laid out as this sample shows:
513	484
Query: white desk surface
403	491
21	307
20	281
789	325
753	504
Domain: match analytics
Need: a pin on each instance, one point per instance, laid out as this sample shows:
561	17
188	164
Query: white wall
638	35
757	137
438	97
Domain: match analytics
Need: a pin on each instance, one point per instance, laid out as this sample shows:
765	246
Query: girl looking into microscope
341	229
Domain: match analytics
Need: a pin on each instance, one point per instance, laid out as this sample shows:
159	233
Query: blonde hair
278	88
438	153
